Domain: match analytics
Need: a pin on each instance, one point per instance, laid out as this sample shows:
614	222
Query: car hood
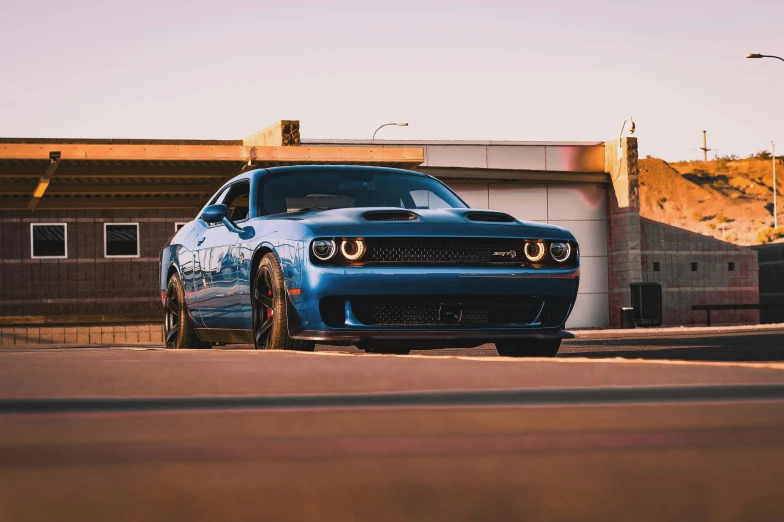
460	222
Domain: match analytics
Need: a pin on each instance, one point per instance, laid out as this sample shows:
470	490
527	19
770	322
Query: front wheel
529	348
270	320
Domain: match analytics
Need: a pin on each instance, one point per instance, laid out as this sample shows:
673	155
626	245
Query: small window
694	267
48	240
121	239
179	224
730	266
656	266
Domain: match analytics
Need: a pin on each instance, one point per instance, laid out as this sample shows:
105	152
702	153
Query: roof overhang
130	174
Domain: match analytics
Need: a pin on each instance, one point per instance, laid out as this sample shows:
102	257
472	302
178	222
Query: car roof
328	168
297	169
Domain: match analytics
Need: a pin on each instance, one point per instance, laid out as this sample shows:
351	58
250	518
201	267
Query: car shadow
740	347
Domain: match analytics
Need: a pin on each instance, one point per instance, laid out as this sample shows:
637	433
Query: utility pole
775	208
704	147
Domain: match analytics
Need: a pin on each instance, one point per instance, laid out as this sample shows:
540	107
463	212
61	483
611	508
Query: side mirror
214	213
217	214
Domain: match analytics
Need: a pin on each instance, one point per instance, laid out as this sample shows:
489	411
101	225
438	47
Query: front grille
444	250
452	311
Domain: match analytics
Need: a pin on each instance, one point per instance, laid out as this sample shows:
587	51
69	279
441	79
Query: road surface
609	430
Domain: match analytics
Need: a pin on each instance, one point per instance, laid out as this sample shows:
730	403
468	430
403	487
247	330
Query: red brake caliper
269	310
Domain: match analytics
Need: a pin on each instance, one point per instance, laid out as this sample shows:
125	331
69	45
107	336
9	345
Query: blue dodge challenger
388	260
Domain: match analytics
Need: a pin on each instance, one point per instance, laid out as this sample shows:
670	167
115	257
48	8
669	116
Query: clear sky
500	70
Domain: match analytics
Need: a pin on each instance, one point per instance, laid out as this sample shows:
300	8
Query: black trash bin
627	317
647	303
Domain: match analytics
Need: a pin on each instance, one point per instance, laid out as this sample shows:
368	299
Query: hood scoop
389	215
490	217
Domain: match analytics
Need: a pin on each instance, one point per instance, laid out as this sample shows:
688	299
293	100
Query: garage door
581	208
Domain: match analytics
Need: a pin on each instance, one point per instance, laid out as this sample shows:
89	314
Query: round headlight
560	251
324	249
352	249
534	251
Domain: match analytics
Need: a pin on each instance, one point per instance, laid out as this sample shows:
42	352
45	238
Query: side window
238	201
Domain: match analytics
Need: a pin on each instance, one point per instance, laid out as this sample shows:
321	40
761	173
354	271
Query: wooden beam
43	182
278	155
126	203
284	133
135	189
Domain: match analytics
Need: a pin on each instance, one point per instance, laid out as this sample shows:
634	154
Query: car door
218	258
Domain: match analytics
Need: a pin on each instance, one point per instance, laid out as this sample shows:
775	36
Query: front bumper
486	335
317	283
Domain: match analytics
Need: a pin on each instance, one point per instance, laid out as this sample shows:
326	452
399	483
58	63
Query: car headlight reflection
560	251
535	251
324	249
352	249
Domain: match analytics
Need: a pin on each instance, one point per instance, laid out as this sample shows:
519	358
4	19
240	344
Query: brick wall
623	255
93	334
86	283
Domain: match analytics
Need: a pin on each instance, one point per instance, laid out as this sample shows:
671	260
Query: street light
758	55
772	145
400	124
775	209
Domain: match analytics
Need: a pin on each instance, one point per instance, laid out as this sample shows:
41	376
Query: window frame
32	246
180	224
106	243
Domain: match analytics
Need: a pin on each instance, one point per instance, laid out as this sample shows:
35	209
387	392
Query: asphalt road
609	430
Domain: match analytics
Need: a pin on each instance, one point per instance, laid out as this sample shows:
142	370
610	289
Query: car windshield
296	192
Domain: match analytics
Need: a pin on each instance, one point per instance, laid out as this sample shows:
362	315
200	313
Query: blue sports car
388	260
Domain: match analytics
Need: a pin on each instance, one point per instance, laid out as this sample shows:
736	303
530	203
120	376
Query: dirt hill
728	200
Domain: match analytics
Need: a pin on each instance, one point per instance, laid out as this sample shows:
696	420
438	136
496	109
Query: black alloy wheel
178	329
270	319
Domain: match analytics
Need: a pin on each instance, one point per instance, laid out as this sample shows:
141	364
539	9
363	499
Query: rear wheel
270	320
178	328
529	348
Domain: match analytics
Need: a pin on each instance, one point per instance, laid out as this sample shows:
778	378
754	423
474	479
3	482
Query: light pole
400	124
773	146
775	209
758	55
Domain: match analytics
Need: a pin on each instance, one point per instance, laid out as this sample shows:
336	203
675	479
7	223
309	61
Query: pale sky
492	70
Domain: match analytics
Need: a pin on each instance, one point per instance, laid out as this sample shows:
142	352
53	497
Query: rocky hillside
728	200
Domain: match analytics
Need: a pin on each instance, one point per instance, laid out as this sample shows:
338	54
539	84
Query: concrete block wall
81	334
677	252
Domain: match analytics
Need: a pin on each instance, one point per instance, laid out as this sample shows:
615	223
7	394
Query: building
82	222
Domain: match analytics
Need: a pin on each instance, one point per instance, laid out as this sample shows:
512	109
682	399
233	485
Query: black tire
178	327
529	348
270	319
388	351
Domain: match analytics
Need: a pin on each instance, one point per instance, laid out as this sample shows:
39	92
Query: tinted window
122	240
294	191
48	240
